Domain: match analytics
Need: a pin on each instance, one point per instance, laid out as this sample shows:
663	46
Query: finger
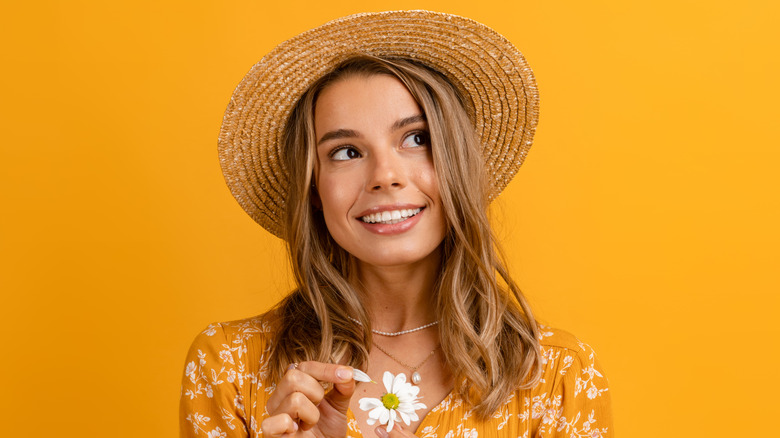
278	425
397	432
340	395
295	380
342	378
299	407
326	372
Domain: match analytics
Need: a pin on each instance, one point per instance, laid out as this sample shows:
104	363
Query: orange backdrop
644	220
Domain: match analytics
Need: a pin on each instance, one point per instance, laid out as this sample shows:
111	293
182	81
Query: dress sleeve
580	404
211	403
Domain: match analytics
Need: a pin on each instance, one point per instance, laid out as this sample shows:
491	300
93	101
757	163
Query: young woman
373	145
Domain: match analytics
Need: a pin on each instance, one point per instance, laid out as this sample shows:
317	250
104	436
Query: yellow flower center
390	401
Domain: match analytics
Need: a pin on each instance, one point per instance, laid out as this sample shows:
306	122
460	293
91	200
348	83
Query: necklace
416	378
402	332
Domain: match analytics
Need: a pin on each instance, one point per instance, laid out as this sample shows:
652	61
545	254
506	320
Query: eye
344	153
416	139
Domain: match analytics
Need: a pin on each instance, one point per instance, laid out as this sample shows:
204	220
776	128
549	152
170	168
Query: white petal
400	388
406	398
398	383
385	417
360	376
392	421
368	403
387	379
377	413
404	417
407	409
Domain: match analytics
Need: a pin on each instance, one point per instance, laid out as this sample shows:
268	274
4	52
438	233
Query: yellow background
644	221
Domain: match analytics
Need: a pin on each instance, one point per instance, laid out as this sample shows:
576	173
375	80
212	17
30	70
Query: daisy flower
399	402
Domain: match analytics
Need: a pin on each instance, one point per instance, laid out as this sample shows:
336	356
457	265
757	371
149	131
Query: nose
387	171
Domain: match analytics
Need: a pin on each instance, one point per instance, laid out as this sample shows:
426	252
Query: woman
372	145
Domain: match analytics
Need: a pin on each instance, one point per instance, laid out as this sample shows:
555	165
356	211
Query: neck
400	297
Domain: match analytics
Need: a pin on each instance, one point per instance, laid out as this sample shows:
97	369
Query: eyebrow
407	121
350	133
339	133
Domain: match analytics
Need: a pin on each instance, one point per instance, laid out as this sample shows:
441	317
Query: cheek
429	183
336	198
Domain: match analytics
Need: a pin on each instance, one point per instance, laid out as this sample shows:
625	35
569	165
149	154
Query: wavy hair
492	345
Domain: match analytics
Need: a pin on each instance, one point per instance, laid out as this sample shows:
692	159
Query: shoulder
234	348
239	329
557	340
572	395
567	359
232	338
564	356
223	371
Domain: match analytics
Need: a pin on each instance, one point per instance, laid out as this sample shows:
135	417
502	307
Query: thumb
342	391
397	432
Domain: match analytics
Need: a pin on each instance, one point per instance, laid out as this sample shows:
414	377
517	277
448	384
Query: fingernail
381	432
295	427
344	374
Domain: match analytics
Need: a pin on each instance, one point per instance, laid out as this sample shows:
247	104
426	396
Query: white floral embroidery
217	433
226	356
567	361
585	430
211	330
588	384
190	372
429	432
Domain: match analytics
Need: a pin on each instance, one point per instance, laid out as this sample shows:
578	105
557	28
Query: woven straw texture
502	99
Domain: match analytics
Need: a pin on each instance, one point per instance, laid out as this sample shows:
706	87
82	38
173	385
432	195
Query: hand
397	432
299	406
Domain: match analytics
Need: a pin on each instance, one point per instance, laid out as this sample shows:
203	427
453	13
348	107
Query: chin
398	258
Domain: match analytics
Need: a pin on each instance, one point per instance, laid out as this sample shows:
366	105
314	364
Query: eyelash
422	133
342	148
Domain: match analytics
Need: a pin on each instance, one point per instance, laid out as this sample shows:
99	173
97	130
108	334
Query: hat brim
500	91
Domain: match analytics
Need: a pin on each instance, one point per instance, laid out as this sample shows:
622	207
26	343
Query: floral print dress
224	391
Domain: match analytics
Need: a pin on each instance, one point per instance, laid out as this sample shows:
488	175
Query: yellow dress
224	391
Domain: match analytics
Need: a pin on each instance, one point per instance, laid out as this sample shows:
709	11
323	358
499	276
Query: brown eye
345	153
416	139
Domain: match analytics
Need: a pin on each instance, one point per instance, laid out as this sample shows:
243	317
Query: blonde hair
492	345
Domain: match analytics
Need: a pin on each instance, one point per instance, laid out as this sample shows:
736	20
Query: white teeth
390	217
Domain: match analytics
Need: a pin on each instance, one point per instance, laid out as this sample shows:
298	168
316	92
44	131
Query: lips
390	217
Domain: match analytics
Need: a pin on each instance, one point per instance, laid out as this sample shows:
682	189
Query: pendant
416	378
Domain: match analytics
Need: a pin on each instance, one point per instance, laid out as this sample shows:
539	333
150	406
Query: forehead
360	99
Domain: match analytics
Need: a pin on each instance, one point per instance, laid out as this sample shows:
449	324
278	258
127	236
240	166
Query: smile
390	217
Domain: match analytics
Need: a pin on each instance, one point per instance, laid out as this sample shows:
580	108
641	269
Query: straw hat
501	96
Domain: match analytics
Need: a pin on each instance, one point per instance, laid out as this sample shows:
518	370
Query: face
374	176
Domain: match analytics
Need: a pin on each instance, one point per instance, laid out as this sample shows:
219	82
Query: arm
211	403
579	404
